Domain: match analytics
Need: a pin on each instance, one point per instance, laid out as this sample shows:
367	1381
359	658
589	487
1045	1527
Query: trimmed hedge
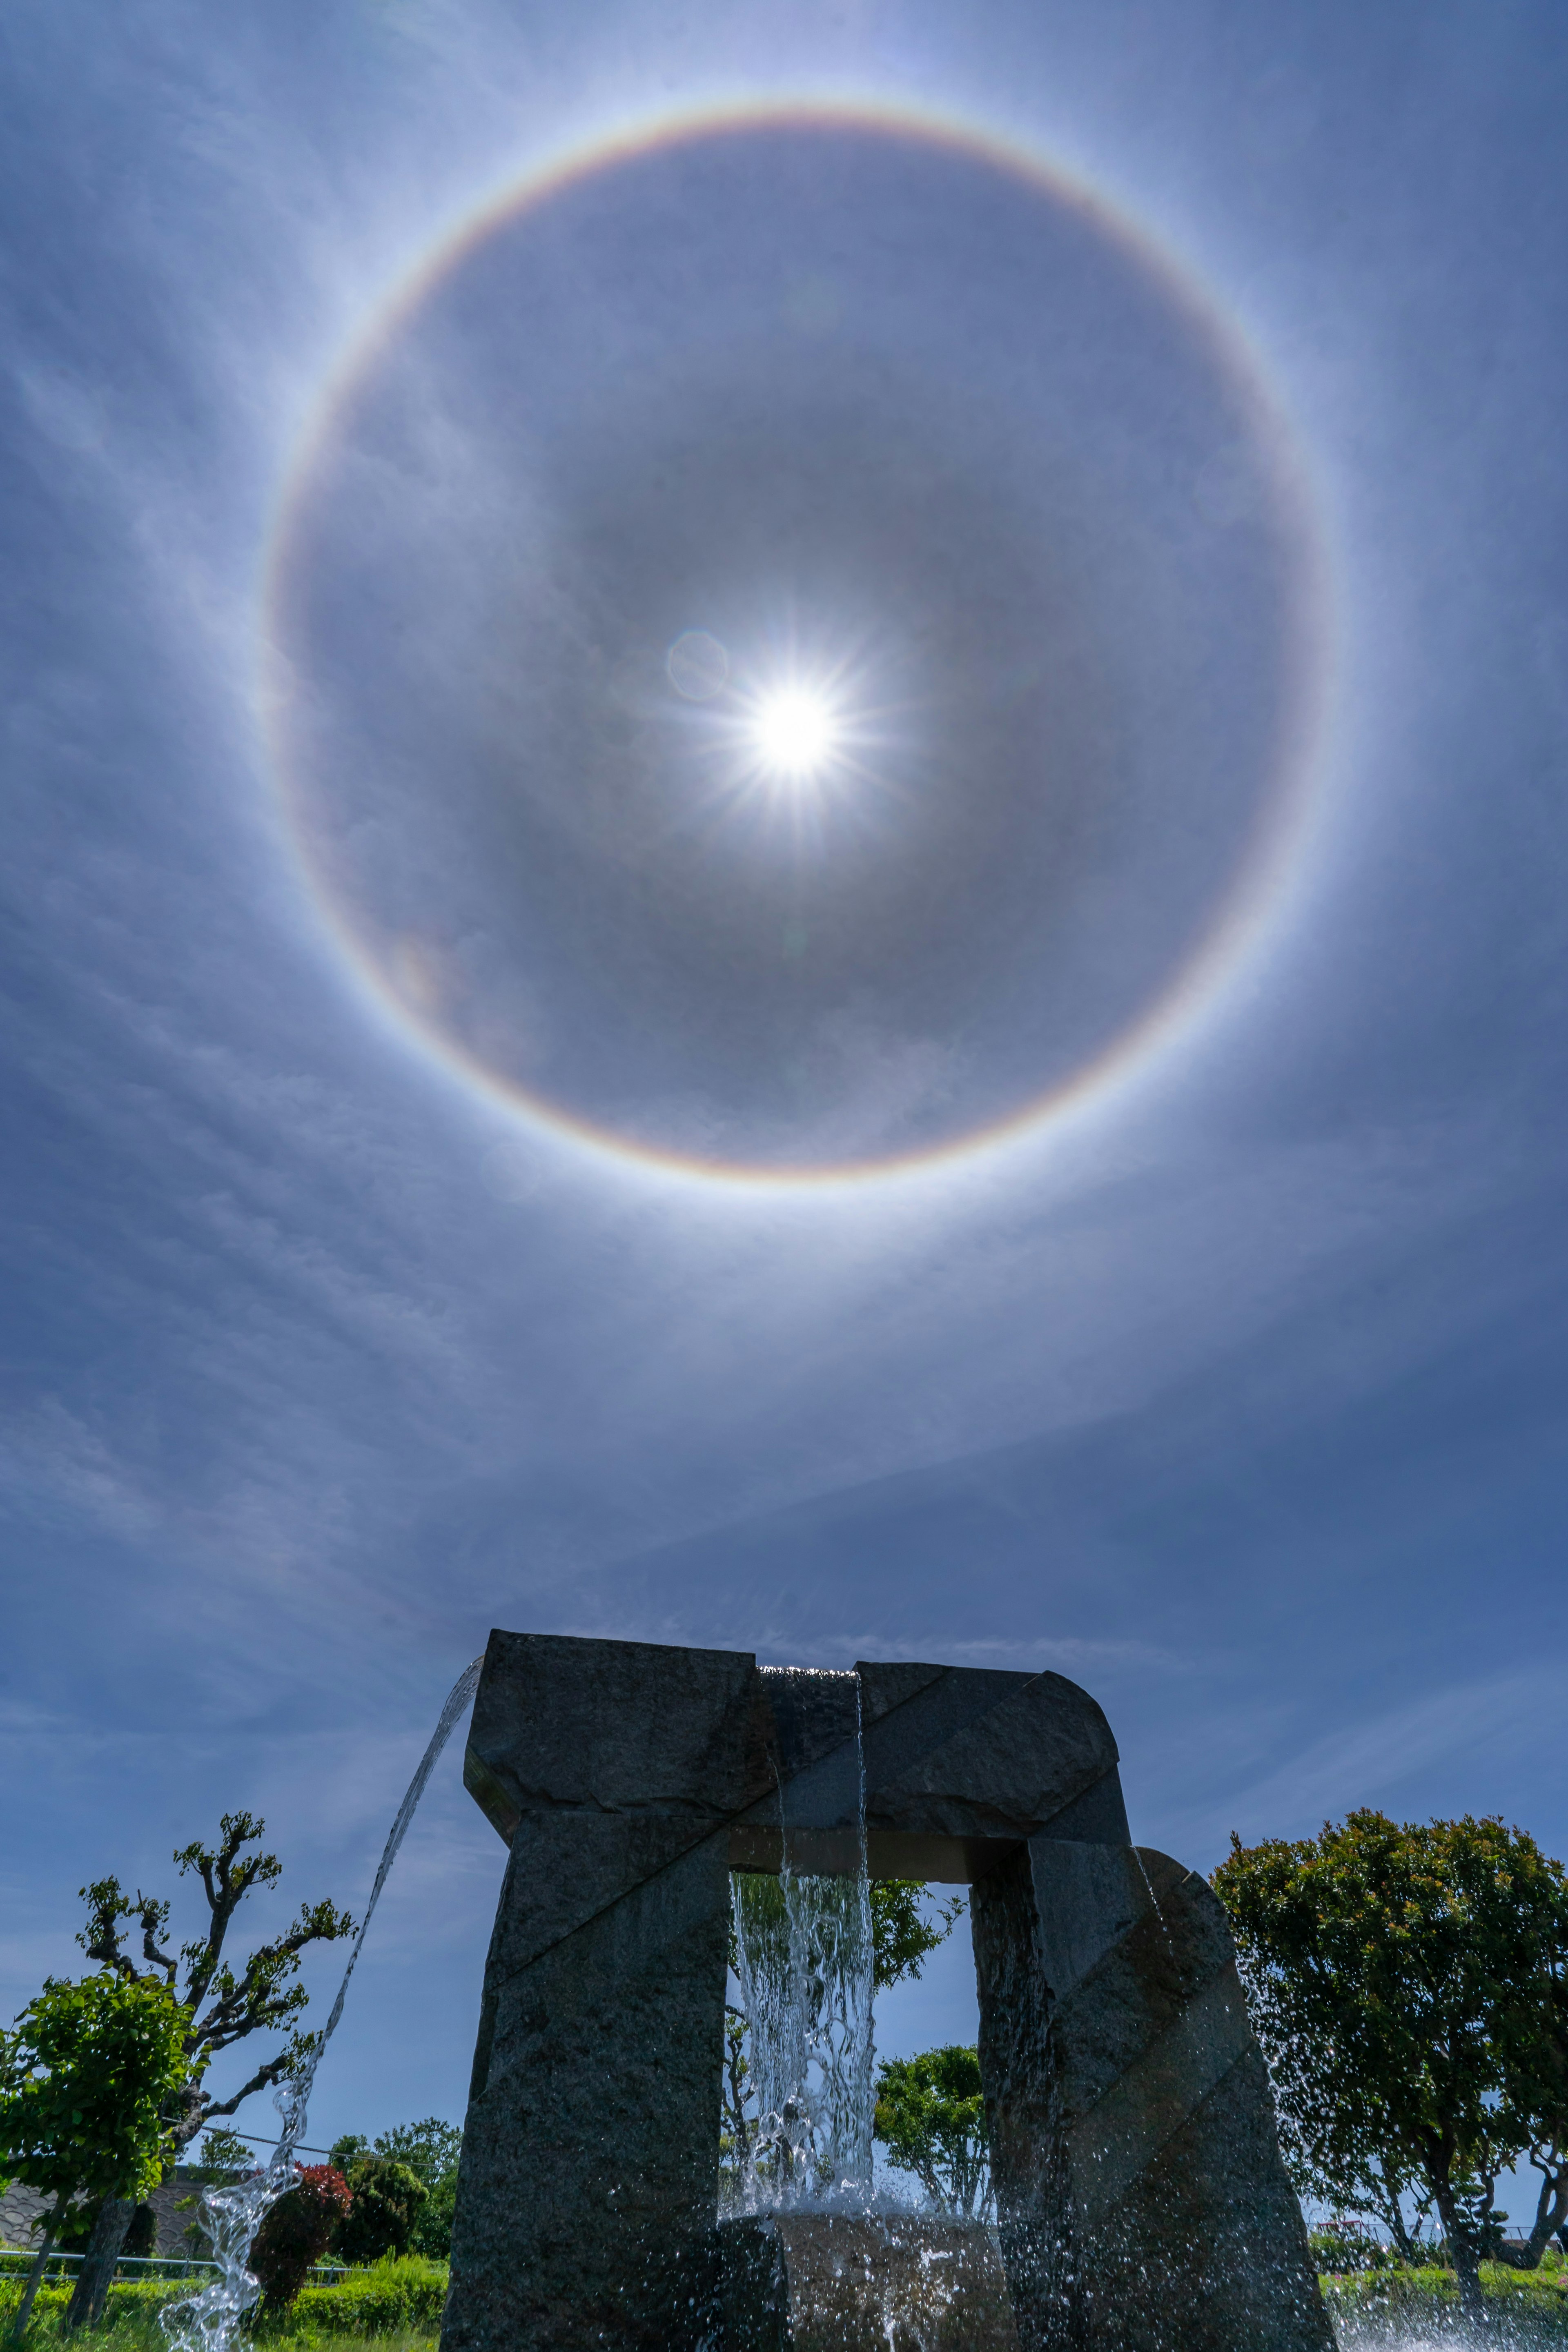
389	2298
375	2301
128	2299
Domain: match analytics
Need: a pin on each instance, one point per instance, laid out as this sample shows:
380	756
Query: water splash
803	1955
232	2215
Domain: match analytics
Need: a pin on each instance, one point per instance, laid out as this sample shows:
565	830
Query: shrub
297	2231
433	2229
430	2148
387	2197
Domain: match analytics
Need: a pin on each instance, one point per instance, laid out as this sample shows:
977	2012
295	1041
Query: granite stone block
851	2283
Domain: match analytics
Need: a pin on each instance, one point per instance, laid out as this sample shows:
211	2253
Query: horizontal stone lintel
890	1853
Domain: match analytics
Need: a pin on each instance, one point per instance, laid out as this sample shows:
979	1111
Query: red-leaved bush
297	2231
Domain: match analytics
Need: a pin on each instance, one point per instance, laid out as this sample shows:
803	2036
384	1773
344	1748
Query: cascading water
861	2268
231	2216
803	1955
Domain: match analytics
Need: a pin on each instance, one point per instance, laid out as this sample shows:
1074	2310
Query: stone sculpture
1141	2203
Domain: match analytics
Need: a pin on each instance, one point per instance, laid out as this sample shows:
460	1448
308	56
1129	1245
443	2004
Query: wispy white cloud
1451	1748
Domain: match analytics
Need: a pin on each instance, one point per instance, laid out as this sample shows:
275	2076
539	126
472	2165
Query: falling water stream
803	1949
803	1955
232	2215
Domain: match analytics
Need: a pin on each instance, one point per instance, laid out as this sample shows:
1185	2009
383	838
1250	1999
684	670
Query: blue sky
1239	1397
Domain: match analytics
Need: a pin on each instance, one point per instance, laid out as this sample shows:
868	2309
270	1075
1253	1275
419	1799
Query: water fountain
1140	2198
232	2214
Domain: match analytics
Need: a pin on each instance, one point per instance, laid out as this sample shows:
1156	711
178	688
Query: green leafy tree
1405	1984
907	1923
87	2078
737	2123
1543	2059
225	2003
431	2149
931	2117
387	2197
223	2154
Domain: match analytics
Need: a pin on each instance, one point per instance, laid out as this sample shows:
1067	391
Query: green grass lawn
395	2307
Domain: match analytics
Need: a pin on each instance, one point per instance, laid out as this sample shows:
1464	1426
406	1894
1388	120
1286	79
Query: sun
790	737
794	733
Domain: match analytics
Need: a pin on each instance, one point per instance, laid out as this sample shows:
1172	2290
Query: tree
388	2199
224	2005
296	2231
1539	2051
86	2077
737	2125
1405	1982
901	1931
431	2149
223	2155
931	2117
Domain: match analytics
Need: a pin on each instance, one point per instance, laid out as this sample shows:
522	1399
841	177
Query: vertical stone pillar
587	2189
1142	2200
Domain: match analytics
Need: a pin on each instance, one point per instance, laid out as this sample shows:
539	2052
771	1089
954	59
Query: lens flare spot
698	665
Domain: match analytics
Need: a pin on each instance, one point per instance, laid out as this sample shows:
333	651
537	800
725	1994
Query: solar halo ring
533	1019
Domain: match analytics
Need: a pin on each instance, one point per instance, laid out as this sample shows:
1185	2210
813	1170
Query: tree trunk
96	2275
1397	2230
1463	2252
36	2275
1550	2213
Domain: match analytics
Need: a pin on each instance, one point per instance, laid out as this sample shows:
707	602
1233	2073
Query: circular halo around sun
760	691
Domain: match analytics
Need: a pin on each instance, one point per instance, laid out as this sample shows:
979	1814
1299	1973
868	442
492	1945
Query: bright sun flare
794	733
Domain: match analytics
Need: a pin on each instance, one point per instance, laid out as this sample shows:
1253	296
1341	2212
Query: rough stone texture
840	2282
615	1726
960	1764
1142	2203
1023	2102
589	2172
